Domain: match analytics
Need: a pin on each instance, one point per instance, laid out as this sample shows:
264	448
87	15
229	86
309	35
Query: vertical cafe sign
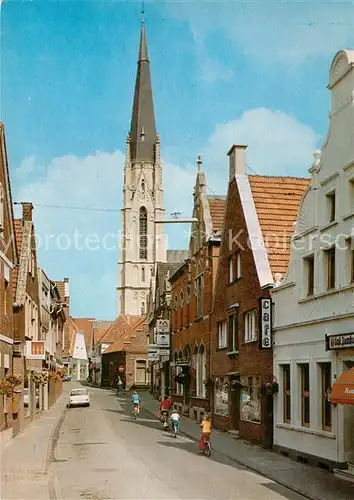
266	324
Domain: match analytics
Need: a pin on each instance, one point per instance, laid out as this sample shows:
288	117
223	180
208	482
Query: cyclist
175	418
206	431
136	402
164	409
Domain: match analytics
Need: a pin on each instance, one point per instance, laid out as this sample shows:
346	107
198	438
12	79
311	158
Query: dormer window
331	206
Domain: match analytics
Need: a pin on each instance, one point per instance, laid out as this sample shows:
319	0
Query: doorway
140	372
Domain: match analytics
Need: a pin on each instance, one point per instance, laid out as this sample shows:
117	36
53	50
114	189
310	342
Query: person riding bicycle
136	401
175	418
164	409
206	431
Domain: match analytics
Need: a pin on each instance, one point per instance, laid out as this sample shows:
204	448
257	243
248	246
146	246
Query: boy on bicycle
206	431
175	418
136	402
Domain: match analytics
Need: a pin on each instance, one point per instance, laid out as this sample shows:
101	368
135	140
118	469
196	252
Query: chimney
66	287
27	209
237	160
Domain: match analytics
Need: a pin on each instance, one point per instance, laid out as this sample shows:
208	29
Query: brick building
254	254
192	292
130	353
8	260
29	351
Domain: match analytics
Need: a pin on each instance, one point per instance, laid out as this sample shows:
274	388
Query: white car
79	397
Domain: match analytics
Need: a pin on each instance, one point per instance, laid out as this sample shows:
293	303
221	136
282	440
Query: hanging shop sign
266	324
164	352
341	341
162	326
153	355
163	340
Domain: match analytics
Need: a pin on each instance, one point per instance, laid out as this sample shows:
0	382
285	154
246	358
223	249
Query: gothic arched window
143	233
142	308
143	186
143	274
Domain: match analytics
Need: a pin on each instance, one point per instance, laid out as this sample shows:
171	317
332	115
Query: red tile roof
277	202
217	207
137	331
18	237
121	324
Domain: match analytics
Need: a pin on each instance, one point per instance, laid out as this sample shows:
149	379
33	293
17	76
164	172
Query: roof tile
217	206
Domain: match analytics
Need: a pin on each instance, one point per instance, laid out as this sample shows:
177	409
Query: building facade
142	242
314	316
8	262
192	292
260	212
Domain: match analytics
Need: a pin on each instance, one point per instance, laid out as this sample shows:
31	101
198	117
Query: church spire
143	129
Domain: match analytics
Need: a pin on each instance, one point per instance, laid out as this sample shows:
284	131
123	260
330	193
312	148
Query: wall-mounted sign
163	340
153	355
341	341
162	326
164	352
266	324
182	362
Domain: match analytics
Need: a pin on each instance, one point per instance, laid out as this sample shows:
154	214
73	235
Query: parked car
66	378
26	397
79	397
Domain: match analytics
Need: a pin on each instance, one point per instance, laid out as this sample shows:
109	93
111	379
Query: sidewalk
25	460
311	482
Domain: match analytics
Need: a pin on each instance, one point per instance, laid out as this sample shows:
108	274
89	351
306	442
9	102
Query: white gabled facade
317	296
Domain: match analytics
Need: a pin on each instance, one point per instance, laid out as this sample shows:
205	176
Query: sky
223	72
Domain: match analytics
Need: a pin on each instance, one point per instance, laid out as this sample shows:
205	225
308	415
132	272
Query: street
102	454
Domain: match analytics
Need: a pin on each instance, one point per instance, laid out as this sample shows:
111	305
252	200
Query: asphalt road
103	454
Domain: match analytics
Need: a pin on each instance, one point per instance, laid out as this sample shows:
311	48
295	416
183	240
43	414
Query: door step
345	474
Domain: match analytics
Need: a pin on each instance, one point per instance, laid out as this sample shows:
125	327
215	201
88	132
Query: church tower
142	241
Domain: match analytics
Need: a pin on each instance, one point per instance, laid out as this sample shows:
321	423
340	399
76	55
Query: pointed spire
143	129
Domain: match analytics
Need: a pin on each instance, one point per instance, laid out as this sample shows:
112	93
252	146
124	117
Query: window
331	268
234	263
305	394
331	204
231	270
199	293
221	397
286	394
201	372
251	326
222	334
310	274
142	308
233	332
143	274
250	404
143	186
143	233
326	376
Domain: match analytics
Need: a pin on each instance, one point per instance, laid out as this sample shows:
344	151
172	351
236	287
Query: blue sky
222	72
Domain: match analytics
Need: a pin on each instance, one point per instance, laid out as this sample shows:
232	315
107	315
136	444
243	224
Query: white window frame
222	334
231	269
251	326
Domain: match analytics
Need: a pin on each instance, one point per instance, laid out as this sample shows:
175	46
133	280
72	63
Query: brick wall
246	291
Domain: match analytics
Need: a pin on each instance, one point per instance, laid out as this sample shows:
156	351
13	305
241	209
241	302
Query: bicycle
207	447
135	411
175	429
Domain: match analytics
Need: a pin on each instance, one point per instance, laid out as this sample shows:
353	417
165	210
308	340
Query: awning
343	389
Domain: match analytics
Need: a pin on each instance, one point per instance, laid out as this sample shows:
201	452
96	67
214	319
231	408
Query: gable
79	350
9	248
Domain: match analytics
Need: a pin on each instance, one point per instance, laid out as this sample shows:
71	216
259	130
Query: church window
143	274
142	308
143	233
143	186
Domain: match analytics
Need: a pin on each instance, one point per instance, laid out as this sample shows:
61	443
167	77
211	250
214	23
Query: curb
254	469
53	439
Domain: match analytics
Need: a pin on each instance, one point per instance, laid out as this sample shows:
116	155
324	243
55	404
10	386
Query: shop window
331	206
221	397
305	394
309	263
222	334
250	404
326	383
286	390
331	267
250	319
233	332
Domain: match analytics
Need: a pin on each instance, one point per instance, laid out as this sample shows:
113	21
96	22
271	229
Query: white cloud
288	32
83	244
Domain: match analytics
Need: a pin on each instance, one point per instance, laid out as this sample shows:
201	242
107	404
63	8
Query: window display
221	397
250	404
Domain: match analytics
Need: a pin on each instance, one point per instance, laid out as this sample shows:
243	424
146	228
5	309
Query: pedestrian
120	386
